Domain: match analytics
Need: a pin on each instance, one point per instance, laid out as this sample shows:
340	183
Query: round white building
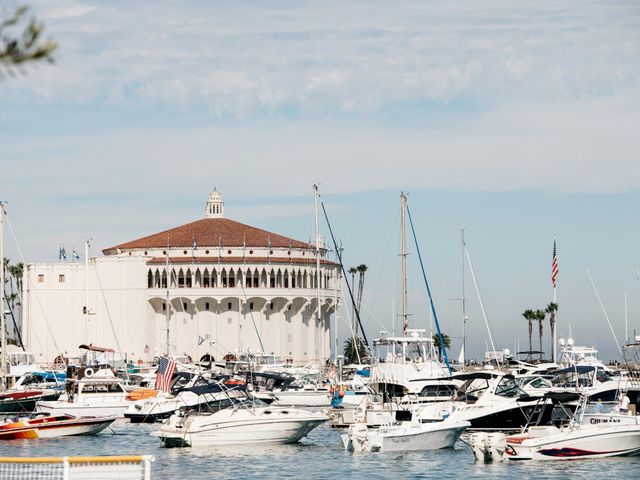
213	286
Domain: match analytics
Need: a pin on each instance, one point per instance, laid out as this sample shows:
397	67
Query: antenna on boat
463	299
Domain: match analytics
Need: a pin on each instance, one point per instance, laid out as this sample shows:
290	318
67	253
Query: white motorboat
91	394
404	436
581	435
233	420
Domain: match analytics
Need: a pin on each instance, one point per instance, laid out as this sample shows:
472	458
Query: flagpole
554	312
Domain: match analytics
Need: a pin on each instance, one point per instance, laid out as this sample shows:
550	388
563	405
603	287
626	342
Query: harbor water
319	456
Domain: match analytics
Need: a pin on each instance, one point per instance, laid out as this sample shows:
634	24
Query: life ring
88	373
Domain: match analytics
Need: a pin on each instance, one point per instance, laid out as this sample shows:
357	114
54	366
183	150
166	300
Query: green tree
540	315
355	351
529	315
436	343
13	279
16	50
354	322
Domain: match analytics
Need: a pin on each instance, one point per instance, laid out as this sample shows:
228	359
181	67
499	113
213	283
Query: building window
272	282
271	305
206	306
229	320
184	306
270	252
61	278
250	252
164	307
229	252
184	252
145	252
289	307
40	278
229	306
164	252
232	283
250	305
207	252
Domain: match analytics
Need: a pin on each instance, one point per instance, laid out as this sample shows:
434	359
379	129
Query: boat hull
100	409
404	437
615	441
52	427
241	427
24	404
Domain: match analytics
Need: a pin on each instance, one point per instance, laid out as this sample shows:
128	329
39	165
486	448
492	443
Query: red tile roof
237	259
209	232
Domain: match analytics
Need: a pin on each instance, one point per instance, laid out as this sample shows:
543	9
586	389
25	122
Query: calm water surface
319	456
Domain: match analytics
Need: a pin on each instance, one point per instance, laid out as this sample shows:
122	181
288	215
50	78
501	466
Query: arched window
180	279
149	279
164	279
205	278
157	279
198	279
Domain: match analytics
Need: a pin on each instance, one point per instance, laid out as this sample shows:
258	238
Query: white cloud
325	58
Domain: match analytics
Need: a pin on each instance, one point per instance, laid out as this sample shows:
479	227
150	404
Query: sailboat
403	364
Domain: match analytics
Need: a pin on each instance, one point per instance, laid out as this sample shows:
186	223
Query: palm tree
529	315
540	315
362	269
355	350
551	309
353	271
436	343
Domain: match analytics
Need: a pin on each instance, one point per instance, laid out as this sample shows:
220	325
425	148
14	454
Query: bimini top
95	348
483	375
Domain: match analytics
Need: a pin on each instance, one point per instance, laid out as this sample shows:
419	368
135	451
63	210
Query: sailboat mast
86	292
168	344
405	318
464	302
3	302
318	311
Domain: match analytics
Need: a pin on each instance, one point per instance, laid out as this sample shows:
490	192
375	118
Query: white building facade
214	286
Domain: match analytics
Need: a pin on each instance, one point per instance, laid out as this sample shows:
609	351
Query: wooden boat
52	426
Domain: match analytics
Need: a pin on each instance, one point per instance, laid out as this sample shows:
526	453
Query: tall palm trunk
540	326
530	337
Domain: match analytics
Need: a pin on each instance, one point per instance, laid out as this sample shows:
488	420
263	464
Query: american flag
554	266
164	373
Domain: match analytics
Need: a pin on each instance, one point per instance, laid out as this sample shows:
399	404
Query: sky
518	121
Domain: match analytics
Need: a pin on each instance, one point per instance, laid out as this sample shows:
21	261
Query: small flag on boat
164	373
146	349
62	253
200	340
554	266
75	255
194	245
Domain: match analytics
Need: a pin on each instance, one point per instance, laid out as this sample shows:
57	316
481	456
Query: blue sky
519	121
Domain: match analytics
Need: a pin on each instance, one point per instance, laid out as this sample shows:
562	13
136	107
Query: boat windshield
508	387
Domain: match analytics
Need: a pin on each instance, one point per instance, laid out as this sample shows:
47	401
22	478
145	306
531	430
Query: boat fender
88	372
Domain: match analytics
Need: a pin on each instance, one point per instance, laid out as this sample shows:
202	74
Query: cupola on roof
215	205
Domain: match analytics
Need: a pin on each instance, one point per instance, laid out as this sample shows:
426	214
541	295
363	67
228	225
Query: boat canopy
483	375
556	397
212	388
95	348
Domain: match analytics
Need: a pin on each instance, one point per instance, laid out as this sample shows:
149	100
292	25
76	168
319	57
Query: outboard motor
488	447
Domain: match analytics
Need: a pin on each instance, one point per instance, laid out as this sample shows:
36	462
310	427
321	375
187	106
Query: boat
184	393
46	426
490	400
24	401
90	393
577	435
410	435
232	417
